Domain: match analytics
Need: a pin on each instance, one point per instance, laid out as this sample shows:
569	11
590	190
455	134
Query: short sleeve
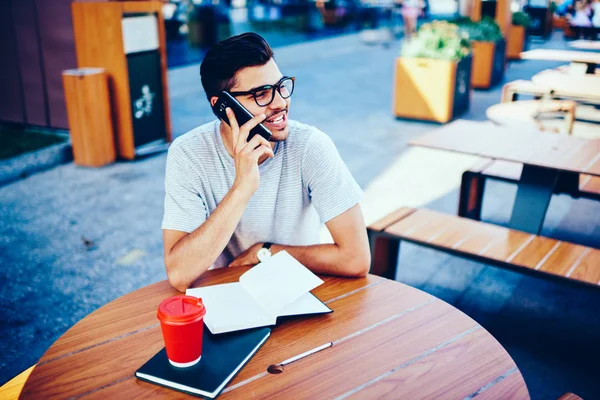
185	209
330	185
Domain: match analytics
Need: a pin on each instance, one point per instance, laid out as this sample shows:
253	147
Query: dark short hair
226	58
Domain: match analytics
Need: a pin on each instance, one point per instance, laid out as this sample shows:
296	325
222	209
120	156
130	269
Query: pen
278	368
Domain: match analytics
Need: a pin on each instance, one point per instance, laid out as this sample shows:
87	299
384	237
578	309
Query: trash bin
89	114
140	39
208	25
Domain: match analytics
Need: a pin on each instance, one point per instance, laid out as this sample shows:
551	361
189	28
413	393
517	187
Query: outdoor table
549	115
585	57
585	44
549	160
389	340
581	86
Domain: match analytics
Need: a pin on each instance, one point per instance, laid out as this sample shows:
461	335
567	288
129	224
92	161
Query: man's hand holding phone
247	153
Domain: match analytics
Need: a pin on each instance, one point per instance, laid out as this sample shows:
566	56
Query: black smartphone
242	115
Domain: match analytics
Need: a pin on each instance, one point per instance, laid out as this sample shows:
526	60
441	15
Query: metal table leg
533	197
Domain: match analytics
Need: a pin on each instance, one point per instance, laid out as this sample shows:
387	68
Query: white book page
307	304
230	308
278	282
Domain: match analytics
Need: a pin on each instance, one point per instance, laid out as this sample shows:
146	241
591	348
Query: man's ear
213	100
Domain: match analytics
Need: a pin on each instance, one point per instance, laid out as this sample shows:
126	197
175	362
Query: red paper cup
182	322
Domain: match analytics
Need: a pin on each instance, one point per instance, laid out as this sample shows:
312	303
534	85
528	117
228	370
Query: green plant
438	40
521	18
486	30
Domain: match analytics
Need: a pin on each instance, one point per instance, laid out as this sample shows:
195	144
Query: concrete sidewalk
73	239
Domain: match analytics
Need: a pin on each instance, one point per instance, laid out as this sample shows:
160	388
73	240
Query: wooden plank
13	388
435	228
505	169
351	314
534	252
588	268
481	165
561	55
510	388
584	158
594	167
357	360
483	360
461	234
482	238
589	184
457	233
561	261
391	218
419	218
558	153
507	245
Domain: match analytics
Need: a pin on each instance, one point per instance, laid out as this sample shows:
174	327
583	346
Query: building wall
37	45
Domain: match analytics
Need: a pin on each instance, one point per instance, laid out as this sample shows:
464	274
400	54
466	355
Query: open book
275	288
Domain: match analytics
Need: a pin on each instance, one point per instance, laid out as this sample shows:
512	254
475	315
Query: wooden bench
11	390
479	241
473	185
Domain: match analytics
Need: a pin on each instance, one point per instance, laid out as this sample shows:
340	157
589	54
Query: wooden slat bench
479	241
473	185
12	389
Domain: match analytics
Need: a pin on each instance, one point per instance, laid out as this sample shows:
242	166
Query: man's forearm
196	252
329	259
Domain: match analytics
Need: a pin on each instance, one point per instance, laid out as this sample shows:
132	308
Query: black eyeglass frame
274	87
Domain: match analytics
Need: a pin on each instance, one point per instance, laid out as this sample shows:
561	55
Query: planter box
516	42
488	63
559	22
432	90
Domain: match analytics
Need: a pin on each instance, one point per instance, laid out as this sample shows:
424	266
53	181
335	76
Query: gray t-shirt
305	184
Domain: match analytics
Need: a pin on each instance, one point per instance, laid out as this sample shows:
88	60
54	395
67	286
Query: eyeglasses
264	95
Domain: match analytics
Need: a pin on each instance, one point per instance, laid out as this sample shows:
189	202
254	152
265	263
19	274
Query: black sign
147	103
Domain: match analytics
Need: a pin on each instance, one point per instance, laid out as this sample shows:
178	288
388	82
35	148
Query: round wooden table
585	44
390	340
551	115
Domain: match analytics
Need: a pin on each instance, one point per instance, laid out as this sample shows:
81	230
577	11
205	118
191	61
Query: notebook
274	288
223	356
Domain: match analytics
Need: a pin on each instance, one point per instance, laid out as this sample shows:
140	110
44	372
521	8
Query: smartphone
242	115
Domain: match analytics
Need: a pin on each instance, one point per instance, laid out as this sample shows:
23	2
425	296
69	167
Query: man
230	201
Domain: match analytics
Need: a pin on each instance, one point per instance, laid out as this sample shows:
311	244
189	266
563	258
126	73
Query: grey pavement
72	239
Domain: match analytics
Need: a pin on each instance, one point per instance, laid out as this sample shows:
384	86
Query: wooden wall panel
11	100
58	49
30	62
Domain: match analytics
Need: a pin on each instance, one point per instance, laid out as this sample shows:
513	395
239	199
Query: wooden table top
390	340
561	55
585	44
587	85
543	149
538	114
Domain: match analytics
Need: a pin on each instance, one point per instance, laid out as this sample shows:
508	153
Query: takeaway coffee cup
182	323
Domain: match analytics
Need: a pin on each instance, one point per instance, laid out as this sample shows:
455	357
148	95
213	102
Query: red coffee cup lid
181	309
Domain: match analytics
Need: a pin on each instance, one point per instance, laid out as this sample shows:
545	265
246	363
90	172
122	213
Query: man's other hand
247	258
